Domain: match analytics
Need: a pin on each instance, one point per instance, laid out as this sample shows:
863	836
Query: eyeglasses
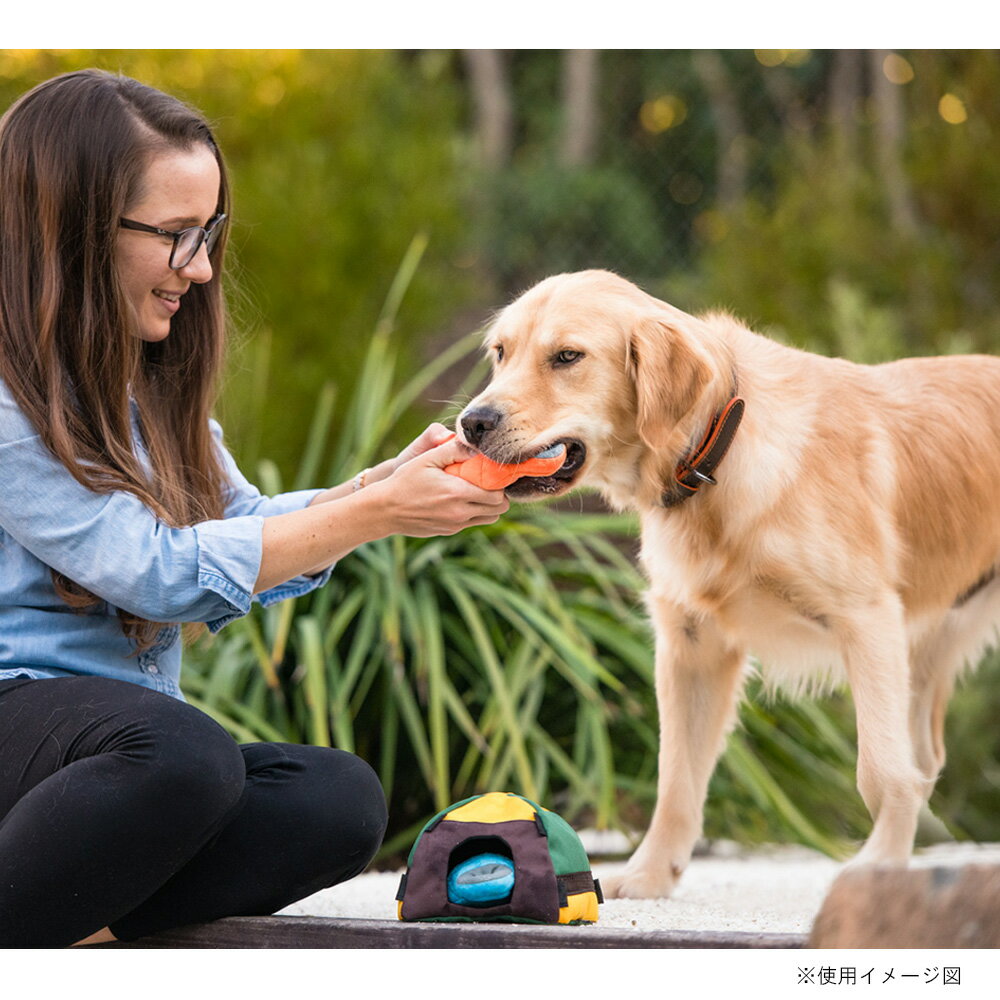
187	242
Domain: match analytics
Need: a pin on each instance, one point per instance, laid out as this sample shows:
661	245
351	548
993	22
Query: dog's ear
670	373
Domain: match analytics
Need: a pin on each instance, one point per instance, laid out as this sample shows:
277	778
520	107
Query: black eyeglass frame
209	235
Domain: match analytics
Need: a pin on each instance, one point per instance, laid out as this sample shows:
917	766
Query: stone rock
937	907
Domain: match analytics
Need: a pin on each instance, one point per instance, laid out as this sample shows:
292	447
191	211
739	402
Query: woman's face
180	189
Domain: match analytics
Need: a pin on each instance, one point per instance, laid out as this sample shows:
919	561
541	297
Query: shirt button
153	669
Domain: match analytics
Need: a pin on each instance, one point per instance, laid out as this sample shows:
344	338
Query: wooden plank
321	932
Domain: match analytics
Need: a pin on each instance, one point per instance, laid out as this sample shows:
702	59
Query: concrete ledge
939	907
321	932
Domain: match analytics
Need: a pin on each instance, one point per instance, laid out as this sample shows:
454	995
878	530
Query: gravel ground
727	888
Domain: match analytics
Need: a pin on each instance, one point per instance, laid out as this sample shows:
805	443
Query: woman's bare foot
98	937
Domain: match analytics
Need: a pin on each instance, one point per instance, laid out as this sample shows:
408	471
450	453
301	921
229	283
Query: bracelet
359	480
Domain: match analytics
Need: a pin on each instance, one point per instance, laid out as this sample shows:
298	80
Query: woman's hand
433	436
421	500
436	434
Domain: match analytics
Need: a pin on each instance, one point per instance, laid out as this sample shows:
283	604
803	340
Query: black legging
126	808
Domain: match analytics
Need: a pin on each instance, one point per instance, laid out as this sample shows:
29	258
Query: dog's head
590	361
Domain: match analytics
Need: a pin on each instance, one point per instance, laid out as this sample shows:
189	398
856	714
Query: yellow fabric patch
493	807
582	906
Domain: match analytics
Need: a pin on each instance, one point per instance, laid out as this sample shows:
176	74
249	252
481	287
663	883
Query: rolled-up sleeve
246	500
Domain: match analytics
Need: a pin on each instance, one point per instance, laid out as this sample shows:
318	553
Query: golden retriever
851	531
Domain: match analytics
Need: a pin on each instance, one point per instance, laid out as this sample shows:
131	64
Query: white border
520	24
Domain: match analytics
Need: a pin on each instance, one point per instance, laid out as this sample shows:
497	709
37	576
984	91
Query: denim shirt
113	545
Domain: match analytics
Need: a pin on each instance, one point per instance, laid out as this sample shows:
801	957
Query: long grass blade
494	669
314	680
770	795
427	627
319	431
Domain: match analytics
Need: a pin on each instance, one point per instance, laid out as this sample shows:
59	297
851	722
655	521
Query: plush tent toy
499	857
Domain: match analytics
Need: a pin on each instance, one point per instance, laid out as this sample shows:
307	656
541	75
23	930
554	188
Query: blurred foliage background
807	191
386	202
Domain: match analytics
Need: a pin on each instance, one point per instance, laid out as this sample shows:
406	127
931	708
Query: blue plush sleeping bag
483	880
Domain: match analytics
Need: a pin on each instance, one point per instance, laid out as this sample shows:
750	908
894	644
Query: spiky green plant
513	656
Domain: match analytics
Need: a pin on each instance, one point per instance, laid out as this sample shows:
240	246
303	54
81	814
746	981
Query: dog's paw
871	857
641	883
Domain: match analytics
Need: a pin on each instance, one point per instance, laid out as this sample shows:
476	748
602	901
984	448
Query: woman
124	810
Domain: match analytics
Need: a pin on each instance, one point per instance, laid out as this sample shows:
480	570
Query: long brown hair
73	154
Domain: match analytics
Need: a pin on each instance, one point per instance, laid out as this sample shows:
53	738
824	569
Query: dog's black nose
477	423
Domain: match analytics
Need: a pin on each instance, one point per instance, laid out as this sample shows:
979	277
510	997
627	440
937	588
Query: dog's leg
876	657
698	681
928	707
934	665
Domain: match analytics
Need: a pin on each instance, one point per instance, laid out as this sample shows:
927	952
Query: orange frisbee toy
489	475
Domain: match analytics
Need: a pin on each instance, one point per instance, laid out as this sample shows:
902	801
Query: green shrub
540	219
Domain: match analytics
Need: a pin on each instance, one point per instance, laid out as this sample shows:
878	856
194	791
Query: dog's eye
499	353
568	357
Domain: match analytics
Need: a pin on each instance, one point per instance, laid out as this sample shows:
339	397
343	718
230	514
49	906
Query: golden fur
852	536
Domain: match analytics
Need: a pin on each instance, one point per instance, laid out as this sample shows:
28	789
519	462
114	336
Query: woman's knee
353	812
334	799
368	816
